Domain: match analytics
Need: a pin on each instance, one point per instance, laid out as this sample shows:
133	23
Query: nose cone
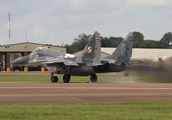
16	61
21	61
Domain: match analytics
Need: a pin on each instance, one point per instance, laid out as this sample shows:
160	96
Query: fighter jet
87	63
64	63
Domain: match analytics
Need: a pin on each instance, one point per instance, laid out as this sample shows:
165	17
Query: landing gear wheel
54	79
93	78
66	78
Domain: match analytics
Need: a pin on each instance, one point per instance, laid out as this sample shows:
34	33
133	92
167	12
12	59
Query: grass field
118	77
46	78
88	111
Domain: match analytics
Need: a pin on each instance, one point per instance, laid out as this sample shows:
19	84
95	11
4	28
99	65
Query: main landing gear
66	78
93	78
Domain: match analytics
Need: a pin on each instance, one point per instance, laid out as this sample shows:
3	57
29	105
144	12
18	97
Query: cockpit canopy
39	49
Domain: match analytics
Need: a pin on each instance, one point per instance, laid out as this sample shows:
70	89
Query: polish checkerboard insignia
89	49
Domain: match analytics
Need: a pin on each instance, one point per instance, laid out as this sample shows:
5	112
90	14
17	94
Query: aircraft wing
56	62
67	63
93	64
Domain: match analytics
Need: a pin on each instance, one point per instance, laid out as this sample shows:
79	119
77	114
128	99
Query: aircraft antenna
62	42
26	36
26	40
9	28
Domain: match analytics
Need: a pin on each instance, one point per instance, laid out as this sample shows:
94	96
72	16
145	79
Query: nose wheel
54	78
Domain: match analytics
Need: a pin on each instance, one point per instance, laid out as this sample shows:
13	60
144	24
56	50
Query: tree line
79	43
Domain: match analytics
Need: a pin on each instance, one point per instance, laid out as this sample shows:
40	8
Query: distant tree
68	48
137	36
79	43
149	44
138	39
115	41
82	40
74	47
166	39
106	42
137	44
160	45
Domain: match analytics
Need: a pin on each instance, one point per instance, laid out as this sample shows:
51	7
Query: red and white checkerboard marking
89	49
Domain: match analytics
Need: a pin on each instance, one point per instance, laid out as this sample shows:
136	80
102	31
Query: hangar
12	51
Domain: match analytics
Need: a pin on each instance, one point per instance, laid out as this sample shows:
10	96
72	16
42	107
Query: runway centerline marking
107	88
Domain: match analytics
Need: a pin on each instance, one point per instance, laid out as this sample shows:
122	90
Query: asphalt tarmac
34	92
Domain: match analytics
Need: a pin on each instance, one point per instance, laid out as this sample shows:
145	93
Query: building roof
27	47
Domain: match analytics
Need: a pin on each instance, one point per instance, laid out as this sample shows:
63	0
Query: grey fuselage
36	58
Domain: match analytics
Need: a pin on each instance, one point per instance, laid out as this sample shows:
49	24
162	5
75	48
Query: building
10	52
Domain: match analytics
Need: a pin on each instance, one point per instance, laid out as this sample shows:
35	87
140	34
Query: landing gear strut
54	78
93	78
66	78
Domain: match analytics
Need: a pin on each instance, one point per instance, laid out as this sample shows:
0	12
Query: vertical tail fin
91	53
124	50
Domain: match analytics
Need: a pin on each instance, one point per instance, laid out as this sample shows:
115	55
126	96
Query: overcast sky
60	21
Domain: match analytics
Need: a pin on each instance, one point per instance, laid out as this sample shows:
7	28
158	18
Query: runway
34	92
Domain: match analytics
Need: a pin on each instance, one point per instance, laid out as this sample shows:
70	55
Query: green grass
46	78
24	78
37	78
88	111
119	77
